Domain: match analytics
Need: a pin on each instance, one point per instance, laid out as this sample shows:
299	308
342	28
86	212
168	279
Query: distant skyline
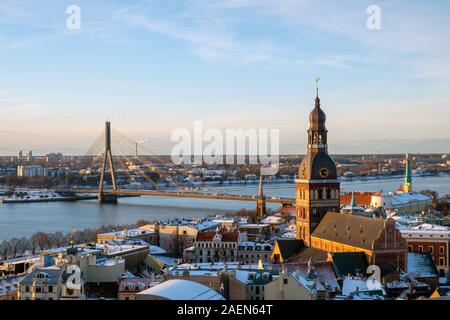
151	67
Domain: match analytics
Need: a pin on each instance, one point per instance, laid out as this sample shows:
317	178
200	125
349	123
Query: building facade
217	246
432	239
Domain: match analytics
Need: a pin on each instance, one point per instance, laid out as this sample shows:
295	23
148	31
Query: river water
17	220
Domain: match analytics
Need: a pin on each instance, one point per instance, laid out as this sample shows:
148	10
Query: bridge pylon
107	158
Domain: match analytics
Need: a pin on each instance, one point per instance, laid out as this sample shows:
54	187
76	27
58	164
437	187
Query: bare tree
14	244
24	245
5	249
40	240
57	239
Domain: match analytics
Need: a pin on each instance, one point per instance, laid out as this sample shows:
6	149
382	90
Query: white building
178	289
31	171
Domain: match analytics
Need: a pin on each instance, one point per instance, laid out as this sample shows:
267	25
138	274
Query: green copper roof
408	170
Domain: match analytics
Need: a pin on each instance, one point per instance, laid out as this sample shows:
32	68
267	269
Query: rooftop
178	289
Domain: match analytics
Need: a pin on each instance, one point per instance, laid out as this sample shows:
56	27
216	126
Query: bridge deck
186	195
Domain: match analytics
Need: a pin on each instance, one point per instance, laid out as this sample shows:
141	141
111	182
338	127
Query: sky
152	67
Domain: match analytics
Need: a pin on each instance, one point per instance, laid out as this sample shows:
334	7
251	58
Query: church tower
317	186
407	187
260	200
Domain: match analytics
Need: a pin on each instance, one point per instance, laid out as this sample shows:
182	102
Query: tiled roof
362	198
227	236
307	253
355	231
421	265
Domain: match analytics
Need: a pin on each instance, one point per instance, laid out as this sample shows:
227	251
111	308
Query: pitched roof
361	198
49	275
307	253
345	263
421	265
289	247
324	271
355	231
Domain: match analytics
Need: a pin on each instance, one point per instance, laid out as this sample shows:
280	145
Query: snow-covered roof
178	289
252	245
421	265
289	235
194	272
272	220
129	233
309	284
119	249
156	250
9	285
253	225
408	197
215	266
351	285
423	228
205	225
254	276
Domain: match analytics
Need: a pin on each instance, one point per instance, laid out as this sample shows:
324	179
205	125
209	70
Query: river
17	220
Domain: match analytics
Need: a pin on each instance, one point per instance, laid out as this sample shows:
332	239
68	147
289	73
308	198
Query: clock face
324	172
303	172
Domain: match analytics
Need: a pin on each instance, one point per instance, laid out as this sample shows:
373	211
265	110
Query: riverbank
24	219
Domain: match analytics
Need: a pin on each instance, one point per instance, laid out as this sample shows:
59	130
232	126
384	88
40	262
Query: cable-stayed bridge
117	150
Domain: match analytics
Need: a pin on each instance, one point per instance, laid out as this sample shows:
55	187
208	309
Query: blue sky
155	66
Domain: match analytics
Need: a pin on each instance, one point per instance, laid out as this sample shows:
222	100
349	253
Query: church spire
260	199
408	179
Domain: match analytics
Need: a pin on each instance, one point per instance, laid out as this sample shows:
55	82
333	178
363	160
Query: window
27	288
441	249
285	281
38	289
431	249
257	289
442	261
410	248
50	289
421	249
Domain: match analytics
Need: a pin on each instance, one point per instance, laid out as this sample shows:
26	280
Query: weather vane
317	85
